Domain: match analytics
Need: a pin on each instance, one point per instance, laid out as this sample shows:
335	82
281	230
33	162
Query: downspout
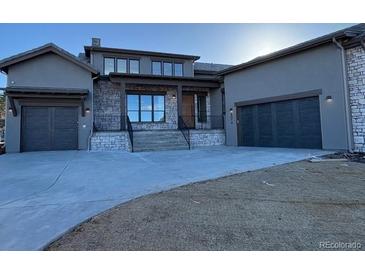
346	96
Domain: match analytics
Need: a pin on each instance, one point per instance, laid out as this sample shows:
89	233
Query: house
311	95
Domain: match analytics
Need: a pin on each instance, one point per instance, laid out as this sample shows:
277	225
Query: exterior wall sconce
87	110
231	114
174	96
329	99
10	110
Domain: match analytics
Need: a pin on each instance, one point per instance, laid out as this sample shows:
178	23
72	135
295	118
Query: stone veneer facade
107	106
356	84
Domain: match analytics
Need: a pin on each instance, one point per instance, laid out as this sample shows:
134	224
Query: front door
188	110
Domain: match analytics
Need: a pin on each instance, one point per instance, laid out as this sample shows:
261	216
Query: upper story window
134	66
156	68
178	69
122	65
109	65
167	68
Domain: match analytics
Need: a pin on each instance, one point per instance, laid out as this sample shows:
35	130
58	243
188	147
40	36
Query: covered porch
140	103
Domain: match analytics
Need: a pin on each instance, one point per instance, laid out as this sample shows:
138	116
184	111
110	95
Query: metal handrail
184	130
130	130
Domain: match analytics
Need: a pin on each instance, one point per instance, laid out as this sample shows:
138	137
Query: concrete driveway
45	194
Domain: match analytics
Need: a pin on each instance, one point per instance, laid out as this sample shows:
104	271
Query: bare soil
298	206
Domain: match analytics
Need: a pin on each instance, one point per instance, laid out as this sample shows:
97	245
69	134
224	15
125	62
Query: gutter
346	96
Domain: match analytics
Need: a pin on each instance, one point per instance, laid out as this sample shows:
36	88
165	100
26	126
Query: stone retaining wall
212	137
110	141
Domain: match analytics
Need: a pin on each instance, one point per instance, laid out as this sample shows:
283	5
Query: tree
2	106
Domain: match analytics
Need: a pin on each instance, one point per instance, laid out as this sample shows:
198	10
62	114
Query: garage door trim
299	95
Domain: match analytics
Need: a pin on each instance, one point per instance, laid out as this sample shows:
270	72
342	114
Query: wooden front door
188	110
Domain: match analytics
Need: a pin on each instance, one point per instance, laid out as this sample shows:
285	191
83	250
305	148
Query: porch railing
184	130
130	131
204	121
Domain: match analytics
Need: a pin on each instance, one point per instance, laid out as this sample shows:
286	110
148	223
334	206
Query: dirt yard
298	206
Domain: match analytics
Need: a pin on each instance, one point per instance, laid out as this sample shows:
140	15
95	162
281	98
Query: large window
178	69
146	108
109	65
122	65
167	68
156	68
134	66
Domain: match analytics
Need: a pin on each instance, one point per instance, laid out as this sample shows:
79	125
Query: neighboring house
311	95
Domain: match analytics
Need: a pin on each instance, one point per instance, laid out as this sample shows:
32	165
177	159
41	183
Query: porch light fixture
231	114
173	96
10	110
329	99
231	111
87	110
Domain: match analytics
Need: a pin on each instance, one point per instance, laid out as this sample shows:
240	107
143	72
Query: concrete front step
154	140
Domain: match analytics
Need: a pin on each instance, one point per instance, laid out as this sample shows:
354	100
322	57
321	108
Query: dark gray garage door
291	123
49	128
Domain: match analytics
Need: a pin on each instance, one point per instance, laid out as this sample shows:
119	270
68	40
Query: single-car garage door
49	128
290	123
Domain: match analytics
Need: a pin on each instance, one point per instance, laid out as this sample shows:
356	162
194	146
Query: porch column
179	100
123	112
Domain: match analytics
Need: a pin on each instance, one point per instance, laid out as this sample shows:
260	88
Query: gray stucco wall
318	68
97	60
48	70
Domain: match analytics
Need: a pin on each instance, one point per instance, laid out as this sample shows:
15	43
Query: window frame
153	106
182	69
126	64
172	68
129	65
108	57
161	67
202	114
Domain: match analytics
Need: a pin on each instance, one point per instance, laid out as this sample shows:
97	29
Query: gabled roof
88	49
351	34
50	47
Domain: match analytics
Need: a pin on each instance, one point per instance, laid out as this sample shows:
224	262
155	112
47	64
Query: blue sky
218	43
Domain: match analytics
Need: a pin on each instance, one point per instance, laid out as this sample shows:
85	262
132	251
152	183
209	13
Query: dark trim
89	49
164	80
299	95
44	95
12	105
21	89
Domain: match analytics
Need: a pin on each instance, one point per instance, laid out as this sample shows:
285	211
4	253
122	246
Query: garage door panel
49	128
291	123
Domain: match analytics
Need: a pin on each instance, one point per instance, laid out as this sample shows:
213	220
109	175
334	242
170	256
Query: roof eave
88	49
288	51
6	63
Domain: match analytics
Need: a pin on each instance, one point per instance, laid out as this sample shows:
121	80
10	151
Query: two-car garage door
49	128
290	123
